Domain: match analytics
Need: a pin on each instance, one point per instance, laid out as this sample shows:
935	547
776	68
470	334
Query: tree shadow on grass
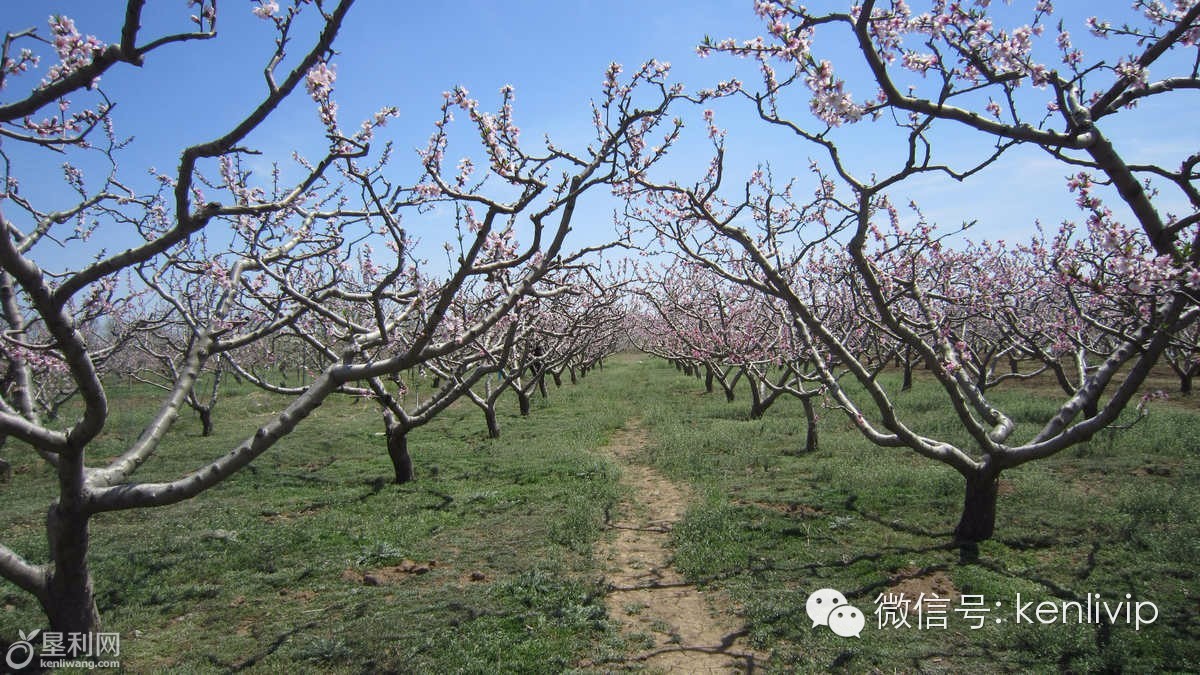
273	647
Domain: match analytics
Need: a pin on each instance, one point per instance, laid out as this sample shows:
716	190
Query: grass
267	570
1119	515
313	561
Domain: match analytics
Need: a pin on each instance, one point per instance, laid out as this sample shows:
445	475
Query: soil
392	574
688	630
915	584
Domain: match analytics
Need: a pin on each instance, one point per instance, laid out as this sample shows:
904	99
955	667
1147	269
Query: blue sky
554	53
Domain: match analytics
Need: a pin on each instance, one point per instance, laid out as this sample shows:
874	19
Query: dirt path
677	627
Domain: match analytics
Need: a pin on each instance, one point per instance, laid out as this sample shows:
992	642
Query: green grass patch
1118	515
311	560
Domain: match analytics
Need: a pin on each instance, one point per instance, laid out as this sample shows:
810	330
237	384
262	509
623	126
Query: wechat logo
827	607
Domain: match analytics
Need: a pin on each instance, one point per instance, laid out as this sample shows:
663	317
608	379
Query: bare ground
679	627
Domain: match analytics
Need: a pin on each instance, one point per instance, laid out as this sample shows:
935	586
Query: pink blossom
319	80
266	10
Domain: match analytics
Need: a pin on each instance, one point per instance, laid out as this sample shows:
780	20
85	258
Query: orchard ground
313	559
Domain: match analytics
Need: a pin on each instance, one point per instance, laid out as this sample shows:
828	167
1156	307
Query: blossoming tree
954	68
286	258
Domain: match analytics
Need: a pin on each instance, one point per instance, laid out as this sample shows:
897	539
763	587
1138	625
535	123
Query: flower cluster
319	84
25	60
266	10
74	50
830	102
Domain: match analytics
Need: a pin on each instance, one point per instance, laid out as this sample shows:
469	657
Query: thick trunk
523	402
541	384
758	405
70	602
978	520
206	422
708	379
1185	384
810	414
1091	408
557	378
493	426
572	372
908	368
397	445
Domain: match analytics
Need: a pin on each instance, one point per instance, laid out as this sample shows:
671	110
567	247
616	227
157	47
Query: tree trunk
397	445
571	370
493	426
5	471
1185	383
708	379
541	382
523	402
757	404
70	601
978	520
206	422
1091	408
729	393
908	368
810	414
557	378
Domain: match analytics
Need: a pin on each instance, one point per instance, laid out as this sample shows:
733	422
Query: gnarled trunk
1091	408
70	601
397	445
978	520
758	404
810	414
206	422
729	386
523	402
493	426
